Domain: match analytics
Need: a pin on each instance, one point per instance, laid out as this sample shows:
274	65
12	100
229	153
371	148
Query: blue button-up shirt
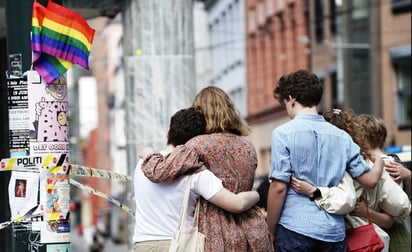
317	152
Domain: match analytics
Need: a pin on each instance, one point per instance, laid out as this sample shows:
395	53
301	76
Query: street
78	244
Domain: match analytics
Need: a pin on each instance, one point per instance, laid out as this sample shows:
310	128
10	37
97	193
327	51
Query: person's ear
292	101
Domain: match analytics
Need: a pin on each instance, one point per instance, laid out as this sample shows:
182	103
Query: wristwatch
316	194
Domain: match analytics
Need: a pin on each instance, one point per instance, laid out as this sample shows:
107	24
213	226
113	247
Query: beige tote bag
188	239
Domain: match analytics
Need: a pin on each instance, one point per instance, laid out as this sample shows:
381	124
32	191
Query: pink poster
48	113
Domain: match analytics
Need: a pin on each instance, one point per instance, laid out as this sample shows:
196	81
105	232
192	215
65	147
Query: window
270	8
261	13
292	14
360	9
280	5
403	72
281	21
334	87
319	20
400	6
252	20
401	60
332	16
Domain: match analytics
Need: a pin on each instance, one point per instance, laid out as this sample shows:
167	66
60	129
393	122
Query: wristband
316	194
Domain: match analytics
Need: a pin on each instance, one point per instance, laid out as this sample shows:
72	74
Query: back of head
220	112
302	85
185	124
343	119
372	130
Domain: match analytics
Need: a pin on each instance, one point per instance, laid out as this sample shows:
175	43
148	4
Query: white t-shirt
158	204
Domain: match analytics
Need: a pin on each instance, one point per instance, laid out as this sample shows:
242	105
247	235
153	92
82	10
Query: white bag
188	239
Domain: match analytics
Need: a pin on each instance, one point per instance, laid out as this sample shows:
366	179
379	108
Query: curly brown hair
184	125
345	120
302	85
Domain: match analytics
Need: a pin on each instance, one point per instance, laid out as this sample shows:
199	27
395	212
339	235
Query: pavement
79	244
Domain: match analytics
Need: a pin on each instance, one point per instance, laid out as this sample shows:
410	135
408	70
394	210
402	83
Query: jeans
286	240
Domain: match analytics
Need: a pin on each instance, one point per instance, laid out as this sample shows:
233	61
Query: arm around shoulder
370	178
235	203
182	160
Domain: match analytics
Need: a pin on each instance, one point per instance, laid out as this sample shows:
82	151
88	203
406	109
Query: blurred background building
149	58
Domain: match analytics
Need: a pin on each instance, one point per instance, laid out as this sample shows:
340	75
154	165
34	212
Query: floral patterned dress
233	159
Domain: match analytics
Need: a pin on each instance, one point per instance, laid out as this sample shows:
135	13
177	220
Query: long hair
220	112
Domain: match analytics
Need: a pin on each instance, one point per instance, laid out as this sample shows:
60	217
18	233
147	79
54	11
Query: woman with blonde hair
226	152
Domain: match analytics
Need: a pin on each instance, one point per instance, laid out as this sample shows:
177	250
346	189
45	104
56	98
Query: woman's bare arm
235	203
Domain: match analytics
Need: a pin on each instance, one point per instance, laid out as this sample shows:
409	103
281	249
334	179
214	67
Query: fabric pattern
233	159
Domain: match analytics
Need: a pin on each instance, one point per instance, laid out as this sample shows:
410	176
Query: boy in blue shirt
317	152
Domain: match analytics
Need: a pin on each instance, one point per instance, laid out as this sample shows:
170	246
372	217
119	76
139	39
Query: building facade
323	38
375	55
226	19
360	50
277	43
395	70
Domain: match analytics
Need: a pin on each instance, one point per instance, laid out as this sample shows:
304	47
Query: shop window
403	73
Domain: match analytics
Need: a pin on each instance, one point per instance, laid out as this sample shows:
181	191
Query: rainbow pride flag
49	67
60	38
66	34
36	22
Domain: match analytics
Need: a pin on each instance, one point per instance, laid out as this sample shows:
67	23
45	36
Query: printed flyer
48	115
55	196
23	192
18	116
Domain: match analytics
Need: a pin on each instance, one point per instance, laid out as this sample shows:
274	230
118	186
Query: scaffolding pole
159	72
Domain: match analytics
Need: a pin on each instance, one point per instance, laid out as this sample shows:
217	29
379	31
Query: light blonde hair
220	112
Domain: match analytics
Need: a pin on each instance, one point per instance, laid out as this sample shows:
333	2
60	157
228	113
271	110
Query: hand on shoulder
145	151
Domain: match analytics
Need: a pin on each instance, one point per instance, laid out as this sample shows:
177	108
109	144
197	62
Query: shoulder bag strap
183	210
367	205
196	217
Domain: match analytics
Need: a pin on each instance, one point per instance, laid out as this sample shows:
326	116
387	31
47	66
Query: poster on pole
53	232
23	192
55	204
18	116
48	115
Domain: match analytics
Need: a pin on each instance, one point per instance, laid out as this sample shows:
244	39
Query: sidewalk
79	244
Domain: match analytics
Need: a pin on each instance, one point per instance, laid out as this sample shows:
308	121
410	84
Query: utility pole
18	20
18	61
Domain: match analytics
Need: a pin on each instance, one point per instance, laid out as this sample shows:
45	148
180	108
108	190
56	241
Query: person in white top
158	204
